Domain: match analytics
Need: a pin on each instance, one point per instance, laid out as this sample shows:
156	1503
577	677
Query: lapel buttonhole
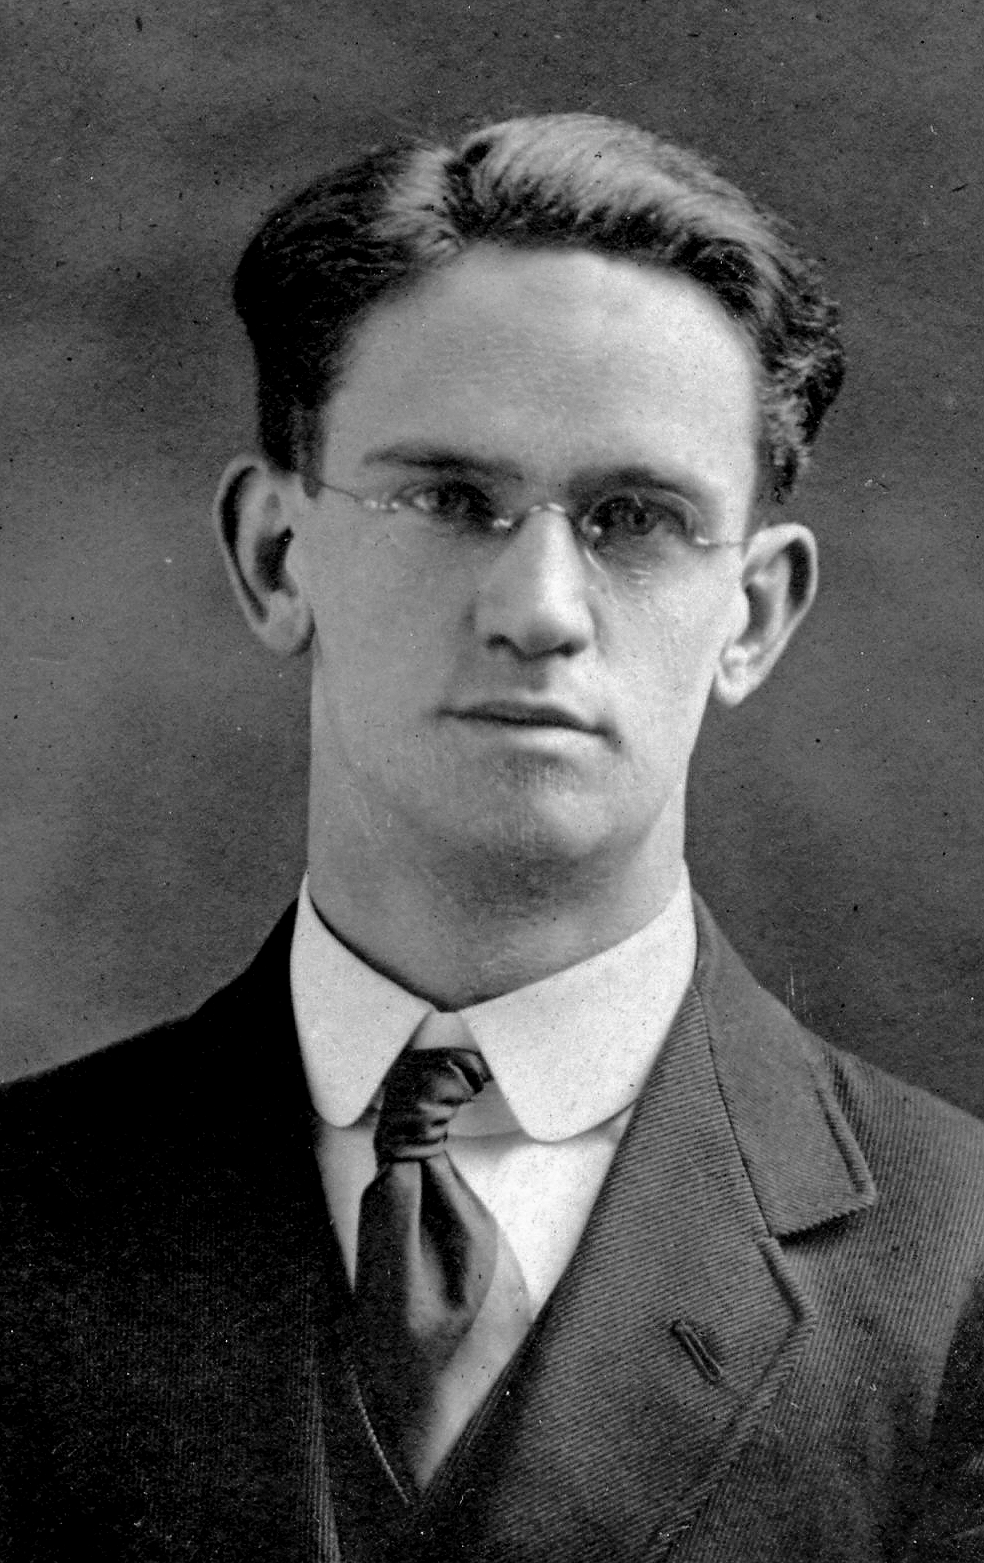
697	1350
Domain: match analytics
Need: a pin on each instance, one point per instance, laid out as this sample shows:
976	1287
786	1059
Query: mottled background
154	760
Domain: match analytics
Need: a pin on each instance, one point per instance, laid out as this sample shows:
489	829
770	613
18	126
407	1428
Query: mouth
527	713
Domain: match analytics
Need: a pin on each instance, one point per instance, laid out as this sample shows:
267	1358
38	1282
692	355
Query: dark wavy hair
372	228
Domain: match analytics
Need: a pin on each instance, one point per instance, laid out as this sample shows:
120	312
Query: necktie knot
423	1091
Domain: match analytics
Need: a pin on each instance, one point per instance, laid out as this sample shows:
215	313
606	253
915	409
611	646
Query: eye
451	502
630	516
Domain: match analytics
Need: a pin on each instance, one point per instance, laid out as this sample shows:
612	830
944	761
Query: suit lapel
243	1286
678	1317
257	1343
802	1159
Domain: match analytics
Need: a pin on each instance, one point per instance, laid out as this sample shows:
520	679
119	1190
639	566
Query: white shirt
568	1056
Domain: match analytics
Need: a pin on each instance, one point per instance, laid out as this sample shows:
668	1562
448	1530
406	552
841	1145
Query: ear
252	514
779	583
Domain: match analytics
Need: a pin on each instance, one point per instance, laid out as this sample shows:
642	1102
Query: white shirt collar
566	1054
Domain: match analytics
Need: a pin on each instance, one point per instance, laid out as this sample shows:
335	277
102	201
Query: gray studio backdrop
154	761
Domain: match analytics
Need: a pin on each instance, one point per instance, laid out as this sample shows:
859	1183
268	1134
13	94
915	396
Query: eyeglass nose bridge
506	524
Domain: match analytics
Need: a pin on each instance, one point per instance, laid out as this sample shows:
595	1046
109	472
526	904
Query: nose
535	598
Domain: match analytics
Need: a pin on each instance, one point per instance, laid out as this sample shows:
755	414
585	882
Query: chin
537	846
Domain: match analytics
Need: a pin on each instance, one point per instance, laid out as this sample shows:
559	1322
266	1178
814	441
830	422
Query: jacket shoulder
160	1081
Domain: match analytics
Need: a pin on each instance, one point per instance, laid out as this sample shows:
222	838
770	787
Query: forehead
546	358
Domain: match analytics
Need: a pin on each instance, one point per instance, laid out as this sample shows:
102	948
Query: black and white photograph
491	1055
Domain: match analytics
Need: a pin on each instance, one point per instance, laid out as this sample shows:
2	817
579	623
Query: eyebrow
437	458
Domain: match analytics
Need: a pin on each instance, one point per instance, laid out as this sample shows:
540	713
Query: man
495	1213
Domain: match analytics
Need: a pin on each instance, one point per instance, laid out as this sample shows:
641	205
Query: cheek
350	582
672	652
382	615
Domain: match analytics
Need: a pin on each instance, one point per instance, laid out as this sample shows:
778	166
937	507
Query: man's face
516	701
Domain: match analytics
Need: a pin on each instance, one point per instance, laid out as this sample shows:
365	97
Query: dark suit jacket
767	1347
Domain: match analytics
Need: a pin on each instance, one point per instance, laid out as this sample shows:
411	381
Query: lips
527	713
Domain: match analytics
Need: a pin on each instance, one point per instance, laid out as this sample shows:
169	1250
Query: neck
457	938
